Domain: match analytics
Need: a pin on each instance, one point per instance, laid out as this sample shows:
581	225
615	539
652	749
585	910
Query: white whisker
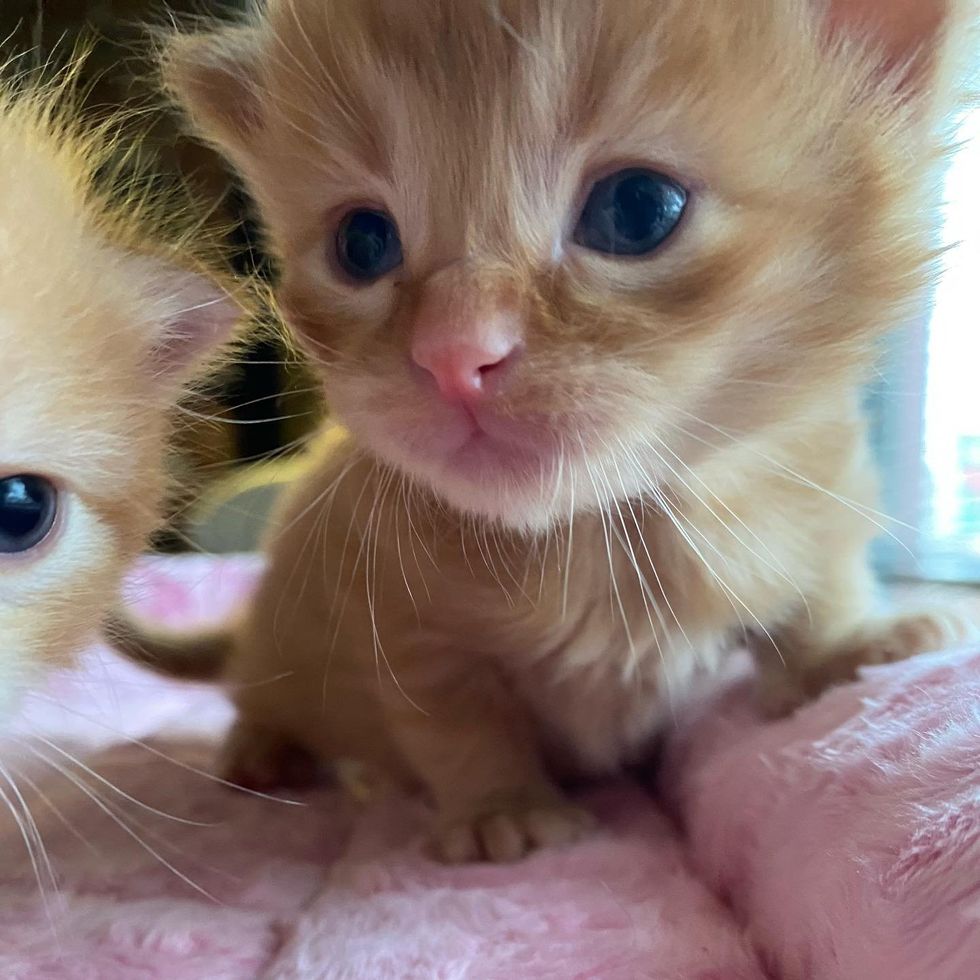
616	599
649	556
74	760
862	510
33	842
171	760
110	812
59	815
774	565
370	547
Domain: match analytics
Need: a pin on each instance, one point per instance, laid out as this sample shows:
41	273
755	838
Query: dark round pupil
27	508
369	246
631	213
643	206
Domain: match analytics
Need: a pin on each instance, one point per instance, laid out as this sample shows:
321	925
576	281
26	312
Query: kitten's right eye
28	506
368	246
631	213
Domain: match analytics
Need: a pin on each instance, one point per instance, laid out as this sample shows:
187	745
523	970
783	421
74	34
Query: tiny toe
458	844
553	828
503	838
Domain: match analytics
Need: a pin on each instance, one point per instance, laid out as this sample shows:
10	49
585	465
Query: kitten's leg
260	758
826	644
470	743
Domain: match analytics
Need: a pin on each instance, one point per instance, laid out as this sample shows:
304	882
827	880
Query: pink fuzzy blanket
843	844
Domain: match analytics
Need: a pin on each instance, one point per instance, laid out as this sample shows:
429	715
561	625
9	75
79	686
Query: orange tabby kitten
98	333
594	286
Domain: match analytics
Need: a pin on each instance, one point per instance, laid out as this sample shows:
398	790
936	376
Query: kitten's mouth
490	445
478	458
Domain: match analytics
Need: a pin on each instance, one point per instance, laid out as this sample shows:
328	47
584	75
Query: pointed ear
215	77
190	317
907	32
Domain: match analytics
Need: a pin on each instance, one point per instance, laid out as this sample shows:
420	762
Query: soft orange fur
98	333
486	629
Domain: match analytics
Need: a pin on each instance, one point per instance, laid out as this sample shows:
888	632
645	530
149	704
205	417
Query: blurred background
925	405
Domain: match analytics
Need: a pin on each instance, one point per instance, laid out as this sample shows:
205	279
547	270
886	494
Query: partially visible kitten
594	285
99	330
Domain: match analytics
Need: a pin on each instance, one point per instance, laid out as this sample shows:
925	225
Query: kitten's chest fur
603	641
599	694
597	631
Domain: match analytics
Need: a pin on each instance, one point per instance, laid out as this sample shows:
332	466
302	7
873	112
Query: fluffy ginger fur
486	625
98	332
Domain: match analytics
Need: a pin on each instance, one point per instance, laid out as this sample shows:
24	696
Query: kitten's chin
530	505
511	485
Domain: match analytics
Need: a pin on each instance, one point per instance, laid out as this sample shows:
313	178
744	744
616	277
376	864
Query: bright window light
952	414
925	408
951	447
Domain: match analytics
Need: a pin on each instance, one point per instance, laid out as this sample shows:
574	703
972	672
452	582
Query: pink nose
466	360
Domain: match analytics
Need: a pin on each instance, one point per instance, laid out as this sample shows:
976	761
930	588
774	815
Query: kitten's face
93	340
544	251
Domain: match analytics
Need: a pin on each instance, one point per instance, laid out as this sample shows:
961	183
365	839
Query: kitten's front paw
780	692
507	828
906	636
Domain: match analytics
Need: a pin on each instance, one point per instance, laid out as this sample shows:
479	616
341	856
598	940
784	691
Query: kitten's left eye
631	212
28	505
368	246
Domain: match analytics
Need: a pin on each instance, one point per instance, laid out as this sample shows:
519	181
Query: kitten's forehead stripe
394	103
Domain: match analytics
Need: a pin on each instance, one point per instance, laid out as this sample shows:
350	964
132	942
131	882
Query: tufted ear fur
901	25
215	77
189	316
908	33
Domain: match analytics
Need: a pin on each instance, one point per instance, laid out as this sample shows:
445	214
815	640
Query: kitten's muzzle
464	338
469	367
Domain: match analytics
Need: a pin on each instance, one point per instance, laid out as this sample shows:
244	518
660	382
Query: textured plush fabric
848	836
843	844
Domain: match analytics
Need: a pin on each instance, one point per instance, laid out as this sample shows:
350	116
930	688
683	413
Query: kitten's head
97	338
545	250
